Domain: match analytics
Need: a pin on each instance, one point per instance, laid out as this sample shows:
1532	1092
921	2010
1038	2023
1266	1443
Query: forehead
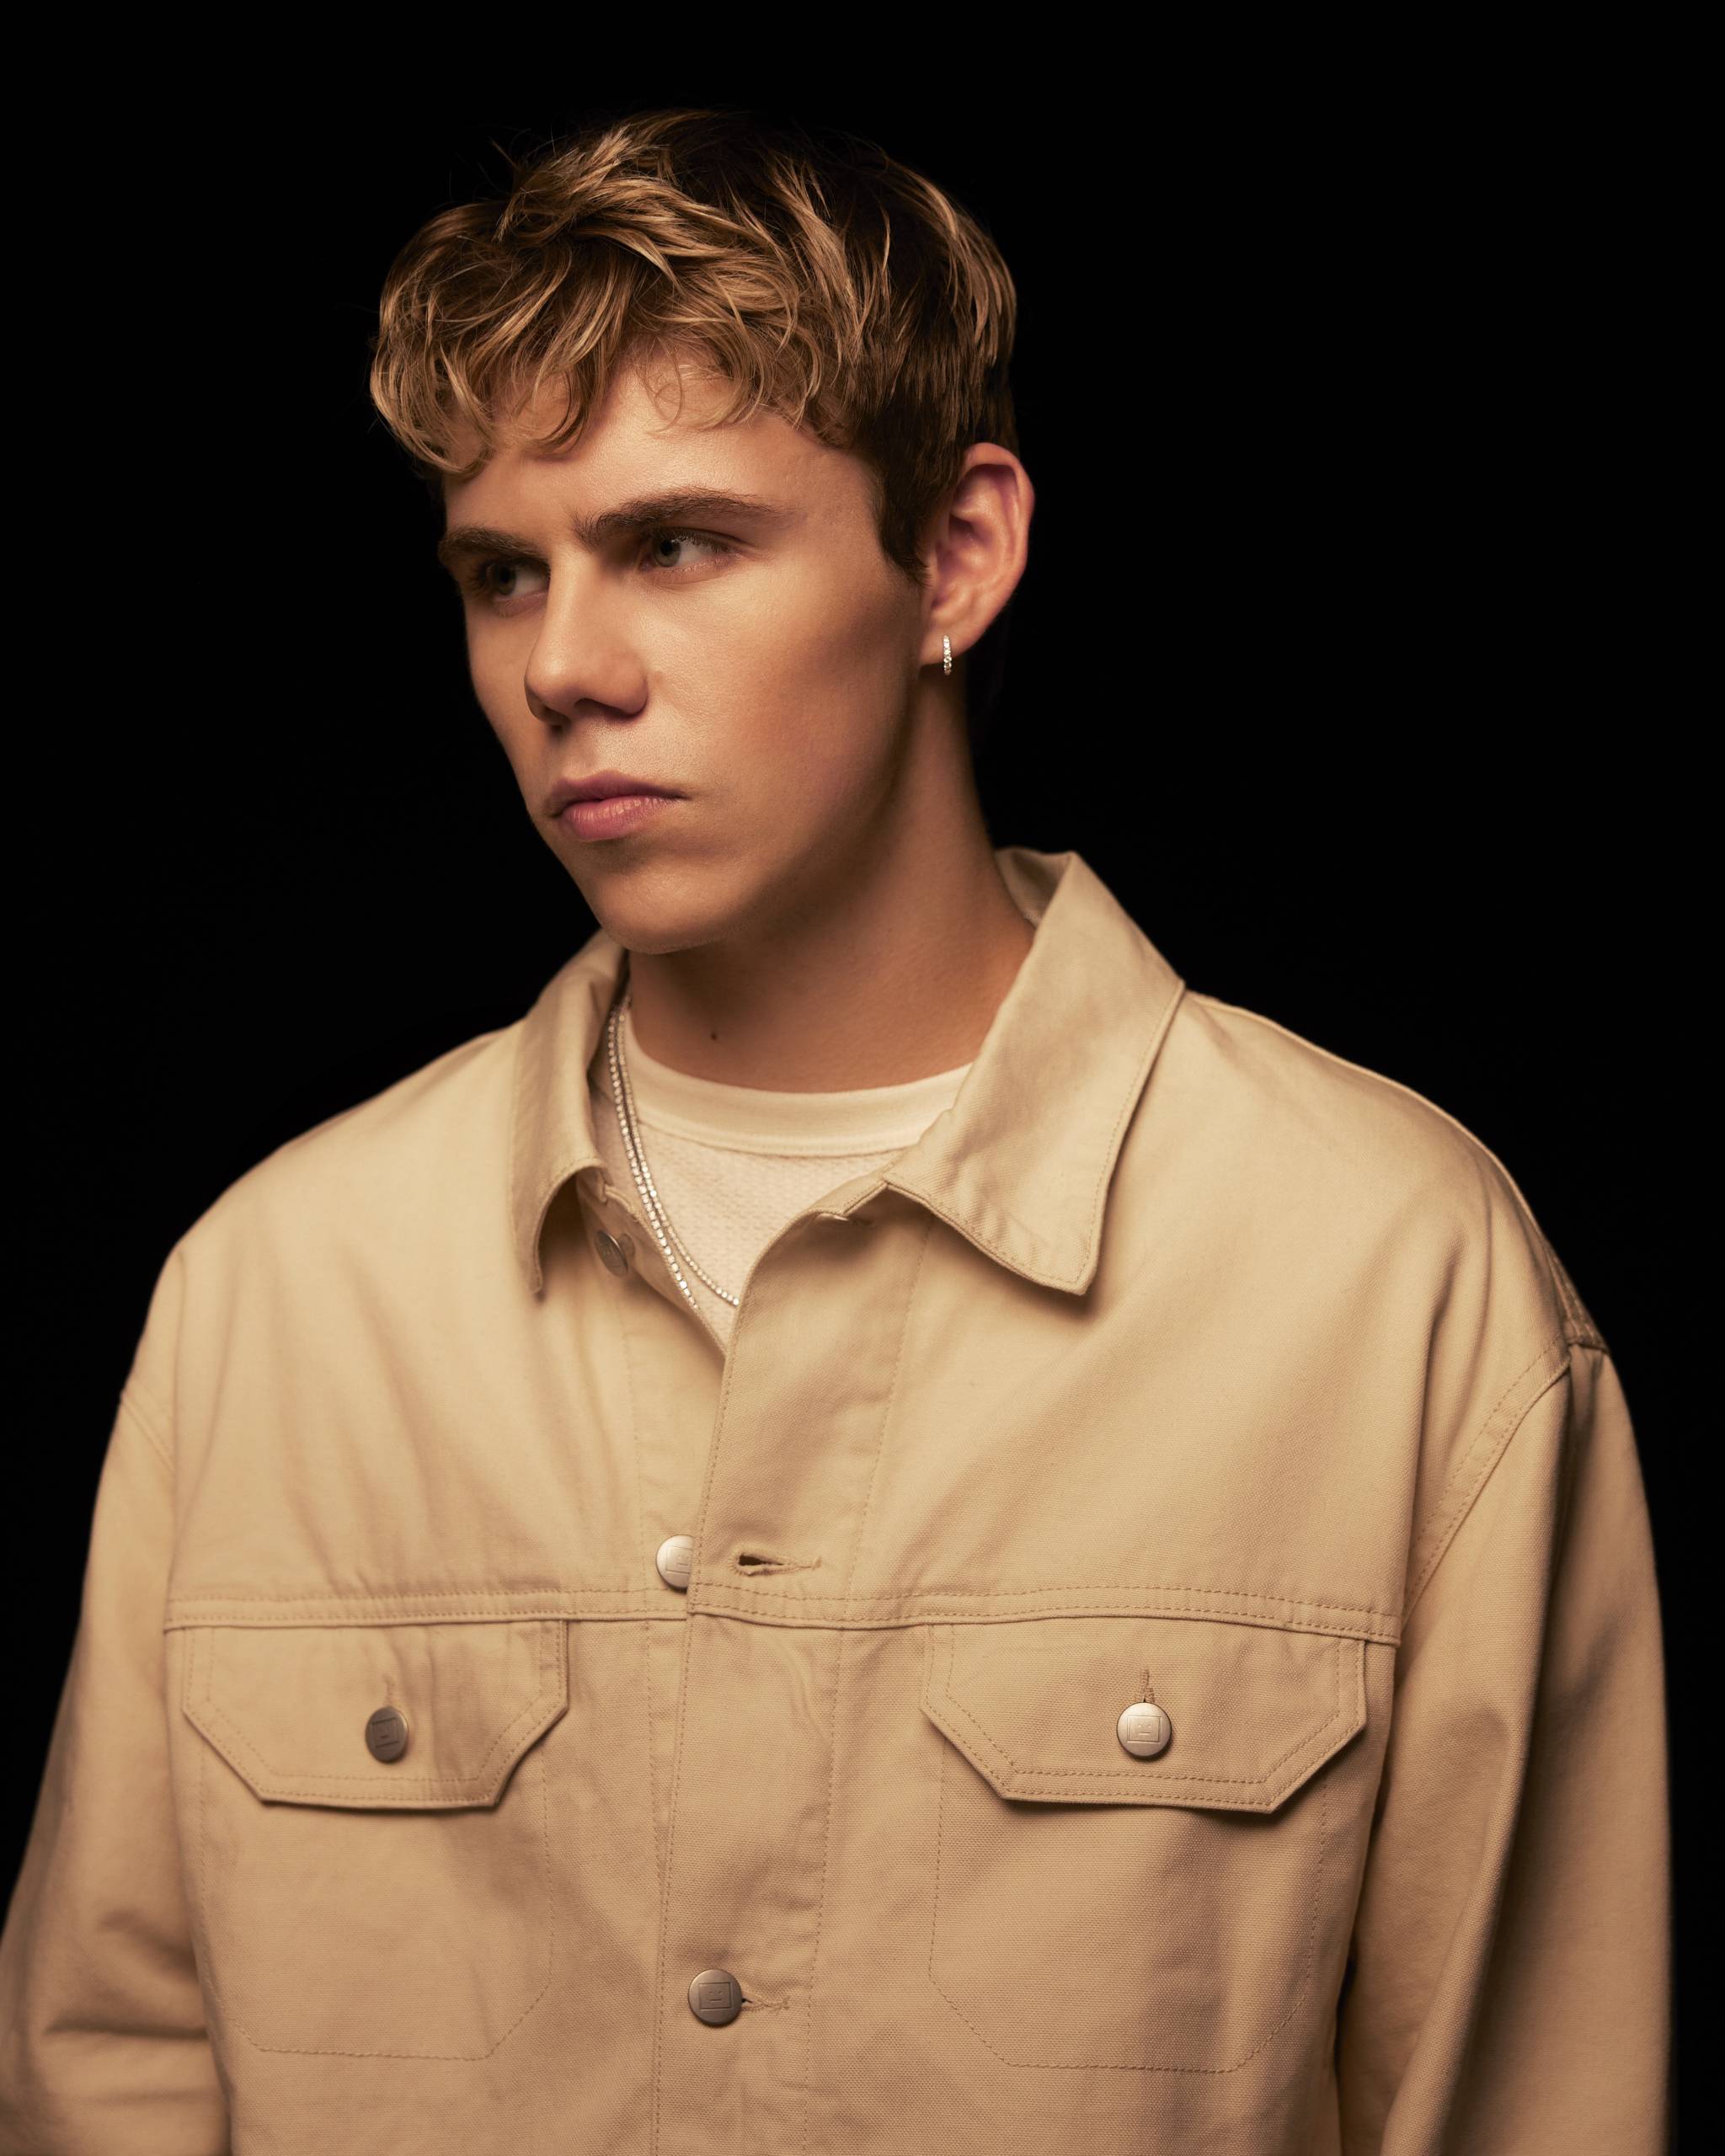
655	427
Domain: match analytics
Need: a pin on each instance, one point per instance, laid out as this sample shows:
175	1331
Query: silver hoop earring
946	646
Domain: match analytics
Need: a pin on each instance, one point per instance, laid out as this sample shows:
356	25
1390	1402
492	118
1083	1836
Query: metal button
1144	1729
674	1556
716	1996
615	1252
387	1734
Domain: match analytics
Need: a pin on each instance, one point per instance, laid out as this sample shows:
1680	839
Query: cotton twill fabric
1178	1360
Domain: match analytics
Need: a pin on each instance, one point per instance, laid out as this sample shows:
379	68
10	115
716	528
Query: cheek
820	730
825	695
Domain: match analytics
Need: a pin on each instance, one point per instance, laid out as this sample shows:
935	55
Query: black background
1344	655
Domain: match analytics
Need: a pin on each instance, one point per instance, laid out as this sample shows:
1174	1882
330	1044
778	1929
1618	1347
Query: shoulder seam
1547	1369
1578	1325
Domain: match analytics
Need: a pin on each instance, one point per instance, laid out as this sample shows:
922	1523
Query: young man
877	1528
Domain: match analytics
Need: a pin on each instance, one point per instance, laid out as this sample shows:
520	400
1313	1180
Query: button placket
792	1457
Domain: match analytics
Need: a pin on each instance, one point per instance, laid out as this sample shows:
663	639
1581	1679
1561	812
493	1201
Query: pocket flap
1034	1705
288	1707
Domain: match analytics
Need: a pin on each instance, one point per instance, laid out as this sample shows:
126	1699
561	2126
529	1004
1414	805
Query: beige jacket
1164	1655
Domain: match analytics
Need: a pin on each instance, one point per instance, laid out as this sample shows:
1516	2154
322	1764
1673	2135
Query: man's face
760	662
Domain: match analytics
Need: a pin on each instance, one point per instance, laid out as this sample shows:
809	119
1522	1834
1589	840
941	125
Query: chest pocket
1095	1908
372	1887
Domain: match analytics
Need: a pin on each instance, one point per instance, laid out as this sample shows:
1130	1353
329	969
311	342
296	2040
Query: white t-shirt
733	1164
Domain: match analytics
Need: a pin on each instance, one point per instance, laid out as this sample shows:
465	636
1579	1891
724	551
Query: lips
614	815
602	786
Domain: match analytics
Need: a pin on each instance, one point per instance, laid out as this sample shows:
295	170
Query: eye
480	583
668	538
497	581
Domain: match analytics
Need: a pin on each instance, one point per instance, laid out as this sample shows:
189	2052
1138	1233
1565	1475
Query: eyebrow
677	505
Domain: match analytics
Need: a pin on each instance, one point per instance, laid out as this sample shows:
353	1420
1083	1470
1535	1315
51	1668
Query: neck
882	967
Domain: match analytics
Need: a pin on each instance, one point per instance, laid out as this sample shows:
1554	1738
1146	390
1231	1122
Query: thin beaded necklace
623	1093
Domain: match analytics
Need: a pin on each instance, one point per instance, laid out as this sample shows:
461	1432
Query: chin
657	900
653	915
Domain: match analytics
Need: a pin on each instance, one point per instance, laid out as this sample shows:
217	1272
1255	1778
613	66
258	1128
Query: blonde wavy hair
820	278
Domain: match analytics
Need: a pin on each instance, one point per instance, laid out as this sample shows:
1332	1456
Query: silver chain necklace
623	1094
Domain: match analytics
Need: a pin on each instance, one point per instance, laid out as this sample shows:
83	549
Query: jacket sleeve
1509	1985
102	2044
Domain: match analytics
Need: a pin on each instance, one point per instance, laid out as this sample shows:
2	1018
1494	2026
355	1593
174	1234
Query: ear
975	547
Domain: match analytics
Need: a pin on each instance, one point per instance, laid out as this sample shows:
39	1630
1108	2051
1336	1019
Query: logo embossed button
677	1553
1144	1729
613	1250
716	1996
387	1734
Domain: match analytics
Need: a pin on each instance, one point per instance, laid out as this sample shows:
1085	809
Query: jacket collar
1019	1164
